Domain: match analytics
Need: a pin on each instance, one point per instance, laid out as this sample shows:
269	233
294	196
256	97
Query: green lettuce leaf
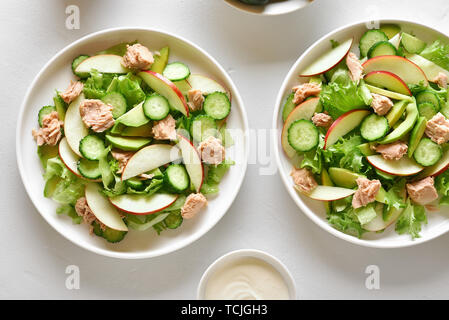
438	53
366	214
411	220
347	222
96	85
214	176
69	210
129	86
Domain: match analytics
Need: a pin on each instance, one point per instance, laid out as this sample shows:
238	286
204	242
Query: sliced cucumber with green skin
113	236
203	127
428	96
427	110
89	169
135	183
177	178
217	105
128	143
416	135
288	106
374	127
75	64
45	111
303	135
390	30
428	152
173	220
176	71
91	147
382	48
118	103
97	229
156	107
412	44
370	38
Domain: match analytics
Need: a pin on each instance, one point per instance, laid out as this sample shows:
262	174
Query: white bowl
247	253
271	9
438	222
57	74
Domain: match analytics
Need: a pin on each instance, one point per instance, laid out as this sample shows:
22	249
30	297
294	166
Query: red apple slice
305	110
166	88
328	60
408	71
206	85
378	223
403	167
102	208
387	80
68	157
431	69
343	125
74	128
327	193
192	161
104	63
183	86
438	168
149	158
141	204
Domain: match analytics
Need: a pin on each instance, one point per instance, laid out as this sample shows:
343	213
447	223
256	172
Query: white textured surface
257	52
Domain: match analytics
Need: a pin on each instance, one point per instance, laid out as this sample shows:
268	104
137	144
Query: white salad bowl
438	222
276	7
56	74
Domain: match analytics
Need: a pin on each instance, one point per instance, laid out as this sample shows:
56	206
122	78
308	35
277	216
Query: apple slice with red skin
68	157
192	162
408	71
305	111
403	167
206	85
167	89
388	80
328	193
74	128
343	125
439	168
104	63
138	204
329	60
431	69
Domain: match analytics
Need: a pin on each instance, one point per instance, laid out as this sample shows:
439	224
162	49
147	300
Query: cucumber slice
113	236
303	136
428	153
412	44
76	62
91	147
89	169
135	183
118	103
173	220
156	107
370	38
44	111
428	96
374	127
416	135
288	106
176	71
203	127
177	178
217	105
97	229
128	143
390	30
427	110
382	48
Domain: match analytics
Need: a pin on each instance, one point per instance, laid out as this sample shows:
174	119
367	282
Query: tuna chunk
437	129
195	202
122	157
423	191
72	92
304	179
322	120
50	133
355	67
392	151
441	80
137	57
83	210
165	129
212	151
366	193
304	91
196	100
381	104
96	115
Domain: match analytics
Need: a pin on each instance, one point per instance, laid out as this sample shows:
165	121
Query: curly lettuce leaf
129	86
411	220
366	214
214	176
345	154
347	222
152	188
69	210
438	53
96	85
442	186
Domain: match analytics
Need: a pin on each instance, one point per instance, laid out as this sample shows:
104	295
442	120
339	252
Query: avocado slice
326	181
416	135
128	144
160	61
142	131
405	127
366	150
134	117
396	112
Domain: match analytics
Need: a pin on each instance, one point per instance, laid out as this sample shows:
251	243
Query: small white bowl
57	74
270	9
247	253
438	221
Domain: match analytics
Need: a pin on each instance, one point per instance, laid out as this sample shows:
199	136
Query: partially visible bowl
57	74
274	7
438	221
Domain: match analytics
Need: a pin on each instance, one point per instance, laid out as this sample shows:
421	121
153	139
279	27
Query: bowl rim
278	148
249	253
104	251
242	7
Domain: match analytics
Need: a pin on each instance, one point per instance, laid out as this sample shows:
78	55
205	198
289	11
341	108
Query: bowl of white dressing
247	275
